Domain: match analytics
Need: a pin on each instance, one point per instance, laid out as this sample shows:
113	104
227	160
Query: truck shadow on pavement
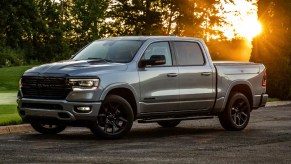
136	134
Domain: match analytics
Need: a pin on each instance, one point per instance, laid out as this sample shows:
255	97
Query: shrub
11	57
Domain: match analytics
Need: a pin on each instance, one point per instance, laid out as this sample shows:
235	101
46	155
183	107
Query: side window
159	48
189	53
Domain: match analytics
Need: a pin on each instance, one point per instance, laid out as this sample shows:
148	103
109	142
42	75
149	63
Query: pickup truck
112	82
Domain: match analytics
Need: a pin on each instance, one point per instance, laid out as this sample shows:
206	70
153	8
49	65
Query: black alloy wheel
236	115
115	118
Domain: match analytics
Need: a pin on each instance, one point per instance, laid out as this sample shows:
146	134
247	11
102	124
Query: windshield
119	51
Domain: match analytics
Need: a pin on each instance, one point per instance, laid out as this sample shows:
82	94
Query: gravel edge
10	129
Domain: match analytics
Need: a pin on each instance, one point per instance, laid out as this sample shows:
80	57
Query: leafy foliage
49	30
135	17
11	57
272	47
86	21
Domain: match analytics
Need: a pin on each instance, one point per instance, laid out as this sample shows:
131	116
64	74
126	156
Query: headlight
83	84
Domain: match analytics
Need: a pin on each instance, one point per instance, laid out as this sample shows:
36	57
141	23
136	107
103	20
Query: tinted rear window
189	53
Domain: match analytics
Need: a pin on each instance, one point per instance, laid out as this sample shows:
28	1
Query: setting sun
249	28
241	19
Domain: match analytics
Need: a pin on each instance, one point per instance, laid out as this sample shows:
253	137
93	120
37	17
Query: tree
17	19
193	18
48	40
272	47
135	17
88	21
51	30
164	17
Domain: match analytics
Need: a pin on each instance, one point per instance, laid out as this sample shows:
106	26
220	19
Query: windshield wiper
100	59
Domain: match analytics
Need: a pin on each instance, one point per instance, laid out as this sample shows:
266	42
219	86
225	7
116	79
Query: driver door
159	86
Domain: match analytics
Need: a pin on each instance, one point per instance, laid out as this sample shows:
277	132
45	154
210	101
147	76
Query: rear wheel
48	128
115	118
169	124
236	115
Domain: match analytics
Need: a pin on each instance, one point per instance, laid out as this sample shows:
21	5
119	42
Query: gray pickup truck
112	82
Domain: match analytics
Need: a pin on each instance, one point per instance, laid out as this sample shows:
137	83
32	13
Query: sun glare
241	19
249	28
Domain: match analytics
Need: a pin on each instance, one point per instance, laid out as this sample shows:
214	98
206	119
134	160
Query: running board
172	119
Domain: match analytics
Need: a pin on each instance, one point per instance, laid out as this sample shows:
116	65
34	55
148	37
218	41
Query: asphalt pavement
267	139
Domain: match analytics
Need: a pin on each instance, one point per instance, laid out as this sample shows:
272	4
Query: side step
172	119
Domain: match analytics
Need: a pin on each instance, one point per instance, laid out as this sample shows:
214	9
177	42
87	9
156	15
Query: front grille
44	87
42	106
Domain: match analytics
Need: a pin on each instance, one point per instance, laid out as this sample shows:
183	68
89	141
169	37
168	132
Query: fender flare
232	85
121	86
118	86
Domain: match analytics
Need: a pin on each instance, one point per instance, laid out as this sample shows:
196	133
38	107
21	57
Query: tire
169	124
236	115
48	129
114	120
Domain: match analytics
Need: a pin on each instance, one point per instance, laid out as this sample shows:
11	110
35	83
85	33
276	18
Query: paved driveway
267	139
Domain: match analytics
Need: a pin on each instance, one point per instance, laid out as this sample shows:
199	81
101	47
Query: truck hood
76	68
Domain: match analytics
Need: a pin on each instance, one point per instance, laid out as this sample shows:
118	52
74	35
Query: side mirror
154	60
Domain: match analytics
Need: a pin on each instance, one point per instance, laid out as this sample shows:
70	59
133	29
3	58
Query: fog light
83	109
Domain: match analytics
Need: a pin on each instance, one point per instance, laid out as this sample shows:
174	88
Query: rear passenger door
195	77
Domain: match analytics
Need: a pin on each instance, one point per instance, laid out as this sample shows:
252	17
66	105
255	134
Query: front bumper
59	110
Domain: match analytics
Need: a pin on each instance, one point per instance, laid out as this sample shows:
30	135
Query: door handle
206	73
172	74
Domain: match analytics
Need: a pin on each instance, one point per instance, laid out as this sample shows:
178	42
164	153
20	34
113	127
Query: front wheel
236	115
115	118
48	128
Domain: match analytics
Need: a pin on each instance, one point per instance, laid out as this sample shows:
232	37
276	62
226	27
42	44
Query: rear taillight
264	82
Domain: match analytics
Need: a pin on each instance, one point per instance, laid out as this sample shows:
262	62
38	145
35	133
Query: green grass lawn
9	115
9	78
273	99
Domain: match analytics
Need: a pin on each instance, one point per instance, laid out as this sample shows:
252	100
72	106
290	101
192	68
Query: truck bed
231	73
230	67
229	63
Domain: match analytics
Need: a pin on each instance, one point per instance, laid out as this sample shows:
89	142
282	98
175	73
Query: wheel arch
125	91
243	87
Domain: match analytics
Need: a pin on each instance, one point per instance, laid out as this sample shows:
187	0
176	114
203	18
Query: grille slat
44	87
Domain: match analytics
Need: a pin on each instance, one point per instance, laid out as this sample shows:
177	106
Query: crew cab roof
153	38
